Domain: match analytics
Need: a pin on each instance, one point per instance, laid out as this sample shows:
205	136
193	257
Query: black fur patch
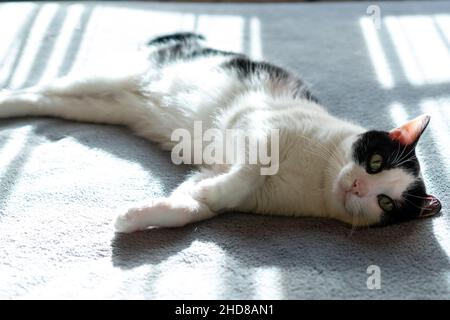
182	46
186	46
302	91
410	206
246	69
176	37
211	52
395	155
173	52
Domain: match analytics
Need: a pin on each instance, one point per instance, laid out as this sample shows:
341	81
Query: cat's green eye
375	162
386	203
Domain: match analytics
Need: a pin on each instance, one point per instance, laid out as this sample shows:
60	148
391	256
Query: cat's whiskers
415	205
399	151
322	147
354	226
357	214
333	164
363	217
406	160
327	157
397	154
411	195
323	154
404	157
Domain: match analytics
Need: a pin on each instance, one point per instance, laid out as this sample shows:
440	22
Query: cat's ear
410	132
431	206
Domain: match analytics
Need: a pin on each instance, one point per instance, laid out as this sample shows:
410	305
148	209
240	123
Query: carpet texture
62	182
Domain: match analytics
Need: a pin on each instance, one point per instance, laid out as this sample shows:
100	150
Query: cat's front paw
209	193
162	212
127	222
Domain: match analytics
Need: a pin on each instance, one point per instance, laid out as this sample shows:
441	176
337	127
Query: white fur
315	162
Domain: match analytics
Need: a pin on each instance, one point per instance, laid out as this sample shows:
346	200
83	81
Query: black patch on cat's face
411	204
395	155
409	207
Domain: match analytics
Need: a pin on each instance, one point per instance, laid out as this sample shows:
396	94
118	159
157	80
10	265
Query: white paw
127	222
159	213
209	193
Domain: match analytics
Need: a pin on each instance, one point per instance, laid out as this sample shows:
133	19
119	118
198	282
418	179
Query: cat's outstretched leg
91	99
202	196
163	212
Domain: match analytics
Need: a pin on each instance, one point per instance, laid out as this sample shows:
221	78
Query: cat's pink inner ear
431	206
410	132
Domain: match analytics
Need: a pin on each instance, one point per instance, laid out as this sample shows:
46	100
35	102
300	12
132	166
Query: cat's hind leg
90	99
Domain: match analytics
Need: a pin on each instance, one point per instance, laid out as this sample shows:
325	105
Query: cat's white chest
298	187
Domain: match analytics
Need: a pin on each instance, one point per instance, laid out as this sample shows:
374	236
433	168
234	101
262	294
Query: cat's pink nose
359	188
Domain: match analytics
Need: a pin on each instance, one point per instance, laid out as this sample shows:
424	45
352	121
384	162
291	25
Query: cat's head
381	182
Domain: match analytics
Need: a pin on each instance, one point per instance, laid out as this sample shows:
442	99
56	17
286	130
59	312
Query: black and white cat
327	167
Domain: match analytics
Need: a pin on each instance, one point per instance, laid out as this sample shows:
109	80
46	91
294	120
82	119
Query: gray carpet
62	182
